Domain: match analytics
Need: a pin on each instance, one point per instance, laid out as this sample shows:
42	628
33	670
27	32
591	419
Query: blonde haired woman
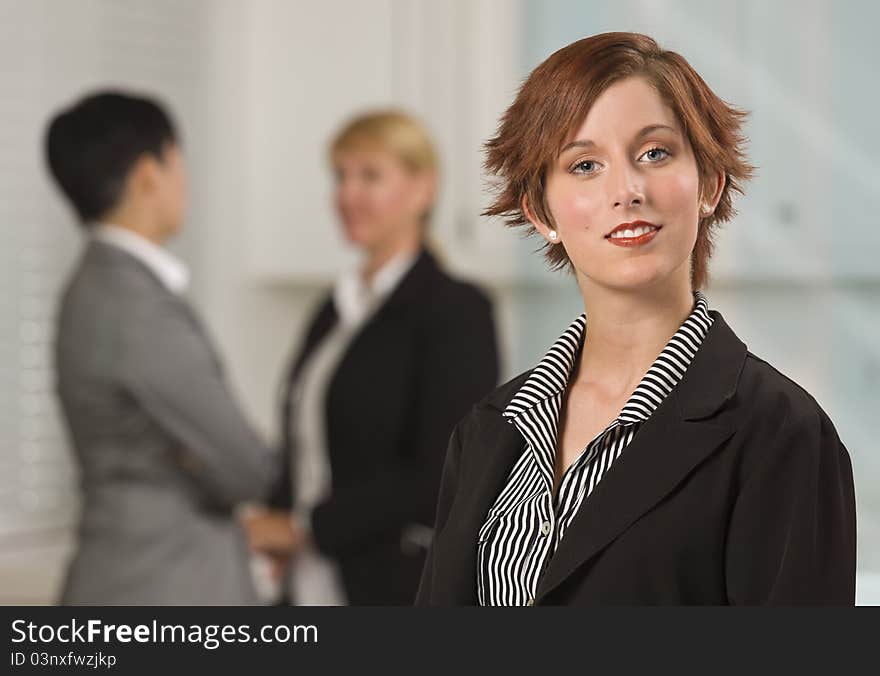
391	360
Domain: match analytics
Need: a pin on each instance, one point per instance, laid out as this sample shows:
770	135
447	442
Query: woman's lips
633	237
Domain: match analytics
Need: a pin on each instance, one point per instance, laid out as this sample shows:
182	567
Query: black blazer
736	491
410	374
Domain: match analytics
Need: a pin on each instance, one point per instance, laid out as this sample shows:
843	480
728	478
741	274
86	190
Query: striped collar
549	378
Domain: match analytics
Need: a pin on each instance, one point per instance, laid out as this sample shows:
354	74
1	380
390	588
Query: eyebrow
651	128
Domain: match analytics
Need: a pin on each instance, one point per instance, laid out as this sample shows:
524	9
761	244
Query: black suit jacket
409	375
736	491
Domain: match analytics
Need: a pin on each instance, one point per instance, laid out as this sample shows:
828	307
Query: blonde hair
400	134
392	130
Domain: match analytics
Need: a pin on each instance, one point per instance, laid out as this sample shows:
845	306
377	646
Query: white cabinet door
308	67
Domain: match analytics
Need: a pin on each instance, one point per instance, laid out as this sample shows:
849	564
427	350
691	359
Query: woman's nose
627	190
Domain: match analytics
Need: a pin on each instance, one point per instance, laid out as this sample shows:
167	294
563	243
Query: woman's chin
635	276
357	237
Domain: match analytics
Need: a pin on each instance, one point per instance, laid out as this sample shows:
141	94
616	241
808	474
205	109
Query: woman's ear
425	193
143	178
712	191
547	232
429	186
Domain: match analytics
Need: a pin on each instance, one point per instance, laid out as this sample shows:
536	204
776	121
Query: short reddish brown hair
554	101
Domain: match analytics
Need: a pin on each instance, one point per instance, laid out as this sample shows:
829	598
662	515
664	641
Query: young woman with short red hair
649	458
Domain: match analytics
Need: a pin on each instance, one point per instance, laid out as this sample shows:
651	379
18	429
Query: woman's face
624	192
378	199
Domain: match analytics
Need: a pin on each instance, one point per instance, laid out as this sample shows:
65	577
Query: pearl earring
705	210
553	235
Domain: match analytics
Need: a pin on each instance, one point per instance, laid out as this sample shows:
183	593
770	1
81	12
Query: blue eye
656	154
584	167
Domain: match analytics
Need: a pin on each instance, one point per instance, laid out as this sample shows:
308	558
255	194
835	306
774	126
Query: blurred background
258	86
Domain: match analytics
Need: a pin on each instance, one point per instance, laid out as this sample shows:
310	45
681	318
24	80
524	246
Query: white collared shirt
354	299
173	274
315	579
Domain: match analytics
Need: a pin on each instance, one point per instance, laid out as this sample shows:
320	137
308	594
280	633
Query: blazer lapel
322	324
410	289
660	457
483	476
680	435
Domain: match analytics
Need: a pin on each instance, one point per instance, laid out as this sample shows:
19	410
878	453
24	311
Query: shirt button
545	528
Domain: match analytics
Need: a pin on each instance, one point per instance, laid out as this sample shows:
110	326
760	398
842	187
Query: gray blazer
164	452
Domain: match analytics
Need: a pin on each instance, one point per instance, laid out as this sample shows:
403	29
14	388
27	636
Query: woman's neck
379	256
137	222
627	330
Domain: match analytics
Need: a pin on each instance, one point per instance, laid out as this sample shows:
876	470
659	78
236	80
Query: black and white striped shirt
525	524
